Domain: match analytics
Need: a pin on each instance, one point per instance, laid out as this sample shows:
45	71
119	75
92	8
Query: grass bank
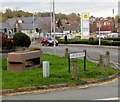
58	73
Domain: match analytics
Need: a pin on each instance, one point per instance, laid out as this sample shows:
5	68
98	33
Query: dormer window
20	21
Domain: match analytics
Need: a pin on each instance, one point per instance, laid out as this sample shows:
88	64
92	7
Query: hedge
7	43
90	41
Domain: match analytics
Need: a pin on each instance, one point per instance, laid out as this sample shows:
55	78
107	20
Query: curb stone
6	91
94	46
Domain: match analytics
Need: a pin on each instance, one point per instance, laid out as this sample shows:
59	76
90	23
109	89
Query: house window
104	23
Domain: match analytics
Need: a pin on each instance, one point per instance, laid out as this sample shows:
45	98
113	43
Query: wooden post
107	59
74	69
101	63
66	52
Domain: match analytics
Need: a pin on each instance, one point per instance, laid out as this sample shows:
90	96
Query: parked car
49	41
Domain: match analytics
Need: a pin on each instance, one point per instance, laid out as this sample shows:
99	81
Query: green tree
8	13
61	16
59	24
119	20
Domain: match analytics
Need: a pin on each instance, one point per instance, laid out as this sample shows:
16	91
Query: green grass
58	73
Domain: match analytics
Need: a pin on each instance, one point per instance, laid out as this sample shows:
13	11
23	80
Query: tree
61	16
119	20
73	17
59	24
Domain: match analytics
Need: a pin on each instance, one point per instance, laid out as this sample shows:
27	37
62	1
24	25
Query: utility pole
99	25
33	24
99	34
54	26
113	20
51	16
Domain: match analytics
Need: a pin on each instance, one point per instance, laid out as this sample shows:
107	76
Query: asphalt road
106	91
92	50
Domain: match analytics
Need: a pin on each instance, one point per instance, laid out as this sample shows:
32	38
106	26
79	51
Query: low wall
25	60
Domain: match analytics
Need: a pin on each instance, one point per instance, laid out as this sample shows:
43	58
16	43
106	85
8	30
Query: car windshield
50	39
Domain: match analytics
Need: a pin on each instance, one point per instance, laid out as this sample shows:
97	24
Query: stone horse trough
19	61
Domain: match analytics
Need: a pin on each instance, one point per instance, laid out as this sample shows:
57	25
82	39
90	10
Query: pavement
96	46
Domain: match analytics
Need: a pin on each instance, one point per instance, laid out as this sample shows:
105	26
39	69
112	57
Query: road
92	51
106	91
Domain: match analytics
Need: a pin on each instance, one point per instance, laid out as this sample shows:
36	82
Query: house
106	25
5	28
118	27
26	25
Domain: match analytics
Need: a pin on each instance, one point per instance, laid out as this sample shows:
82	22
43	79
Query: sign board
99	25
85	26
77	55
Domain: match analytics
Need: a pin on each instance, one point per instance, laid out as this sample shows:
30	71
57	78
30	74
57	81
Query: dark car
49	41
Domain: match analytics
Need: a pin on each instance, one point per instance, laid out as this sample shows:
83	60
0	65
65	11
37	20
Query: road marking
114	98
59	89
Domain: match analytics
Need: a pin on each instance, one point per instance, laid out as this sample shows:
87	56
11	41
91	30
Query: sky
97	8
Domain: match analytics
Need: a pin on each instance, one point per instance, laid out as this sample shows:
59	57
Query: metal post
68	63
33	25
84	60
51	18
54	25
99	34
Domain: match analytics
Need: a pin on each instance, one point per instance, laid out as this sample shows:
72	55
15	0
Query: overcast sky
97	8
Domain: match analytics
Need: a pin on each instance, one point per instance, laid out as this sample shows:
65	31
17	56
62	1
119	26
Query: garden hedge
90	41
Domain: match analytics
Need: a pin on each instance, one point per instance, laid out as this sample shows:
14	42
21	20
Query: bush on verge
21	39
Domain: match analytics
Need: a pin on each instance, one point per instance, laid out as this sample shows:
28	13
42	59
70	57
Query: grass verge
58	73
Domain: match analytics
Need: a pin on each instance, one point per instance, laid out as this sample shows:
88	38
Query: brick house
106	25
118	28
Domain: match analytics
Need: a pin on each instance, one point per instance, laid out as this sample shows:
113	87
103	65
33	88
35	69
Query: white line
114	98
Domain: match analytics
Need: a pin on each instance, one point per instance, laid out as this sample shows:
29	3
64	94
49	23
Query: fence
103	60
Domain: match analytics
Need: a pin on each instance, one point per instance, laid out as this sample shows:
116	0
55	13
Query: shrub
91	41
34	49
106	42
7	43
116	43
21	39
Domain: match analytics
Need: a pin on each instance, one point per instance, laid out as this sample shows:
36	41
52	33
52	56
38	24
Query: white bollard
46	69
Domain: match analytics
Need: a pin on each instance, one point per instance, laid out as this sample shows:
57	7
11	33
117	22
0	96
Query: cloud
61	0
94	8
